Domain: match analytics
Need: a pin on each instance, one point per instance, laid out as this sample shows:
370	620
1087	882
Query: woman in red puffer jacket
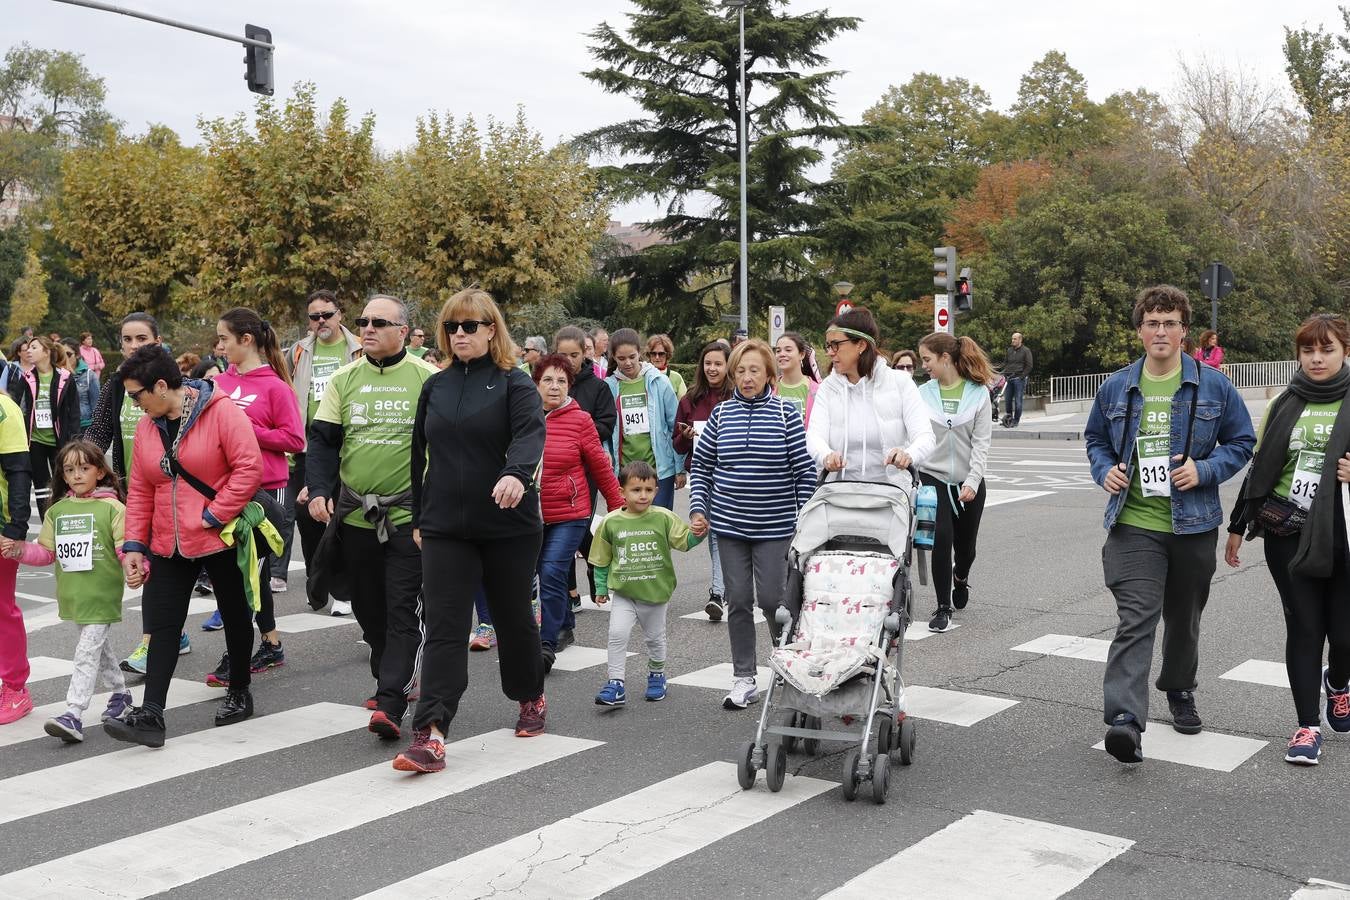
571	450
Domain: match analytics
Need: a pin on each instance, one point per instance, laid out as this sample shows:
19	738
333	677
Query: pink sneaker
15	703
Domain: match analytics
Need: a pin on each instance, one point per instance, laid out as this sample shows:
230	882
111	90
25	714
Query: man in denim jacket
1161	437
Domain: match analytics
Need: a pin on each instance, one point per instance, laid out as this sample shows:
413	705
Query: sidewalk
1037	426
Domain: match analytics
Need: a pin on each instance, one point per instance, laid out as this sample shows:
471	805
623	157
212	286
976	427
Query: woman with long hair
1293	496
711	387
1207	349
259	383
959	408
49	399
797	380
645	403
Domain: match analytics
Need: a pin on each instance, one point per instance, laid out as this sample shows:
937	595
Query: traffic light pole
172	23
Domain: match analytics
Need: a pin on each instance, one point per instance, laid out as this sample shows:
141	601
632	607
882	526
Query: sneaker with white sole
66	726
1304	747
340	608
941	621
715	608
1338	706
278	585
742	694
15	703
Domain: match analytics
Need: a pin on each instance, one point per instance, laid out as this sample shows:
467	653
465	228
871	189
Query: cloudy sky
401	58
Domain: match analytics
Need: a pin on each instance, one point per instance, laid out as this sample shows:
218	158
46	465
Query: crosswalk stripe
718	677
45	619
603	848
310	621
1259	671
277	822
702	616
181	693
1017	859
575	658
1317	889
918	631
36	598
1207	750
999	497
952	707
1067	645
88	779
1053	462
42	668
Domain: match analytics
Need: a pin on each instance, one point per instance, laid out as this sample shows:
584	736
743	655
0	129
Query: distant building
636	237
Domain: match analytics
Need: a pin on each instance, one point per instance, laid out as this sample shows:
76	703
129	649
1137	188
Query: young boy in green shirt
631	555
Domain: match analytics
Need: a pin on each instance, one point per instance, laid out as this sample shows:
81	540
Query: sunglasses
136	395
470	326
905	367
661	353
363	321
324	316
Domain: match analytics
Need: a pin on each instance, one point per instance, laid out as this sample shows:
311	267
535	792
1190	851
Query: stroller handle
825	474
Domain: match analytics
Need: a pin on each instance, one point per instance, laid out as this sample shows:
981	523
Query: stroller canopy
844	510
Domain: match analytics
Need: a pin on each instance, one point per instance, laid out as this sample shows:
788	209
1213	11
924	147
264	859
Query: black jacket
65	409
476	423
594	396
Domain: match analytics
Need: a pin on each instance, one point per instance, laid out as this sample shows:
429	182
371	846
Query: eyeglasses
325	316
661	353
833	346
420	334
363	321
136	395
1155	324
470	326
905	367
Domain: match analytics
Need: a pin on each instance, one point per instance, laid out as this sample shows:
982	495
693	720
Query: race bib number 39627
1153	453
75	543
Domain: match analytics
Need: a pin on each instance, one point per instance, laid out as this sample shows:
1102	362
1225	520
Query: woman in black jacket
478	439
50	401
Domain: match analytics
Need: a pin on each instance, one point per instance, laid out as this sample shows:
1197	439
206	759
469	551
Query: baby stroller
836	666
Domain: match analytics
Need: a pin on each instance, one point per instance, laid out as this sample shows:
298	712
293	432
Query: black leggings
452	571
958	527
43	459
1316	613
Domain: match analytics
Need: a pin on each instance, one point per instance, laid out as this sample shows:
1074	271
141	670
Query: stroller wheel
886	735
850	783
811	746
907	738
745	766
881	777
775	766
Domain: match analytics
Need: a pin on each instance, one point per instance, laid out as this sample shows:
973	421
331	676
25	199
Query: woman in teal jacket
646	404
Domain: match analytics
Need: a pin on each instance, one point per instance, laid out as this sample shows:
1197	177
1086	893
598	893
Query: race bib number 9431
635	414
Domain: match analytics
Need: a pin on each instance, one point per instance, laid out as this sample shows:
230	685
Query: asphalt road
642	801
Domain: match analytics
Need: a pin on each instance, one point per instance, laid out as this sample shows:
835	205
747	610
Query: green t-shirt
85	534
328	358
1307	451
13	439
1153	454
636	421
676	381
951	397
631	553
128	419
418	352
43	431
796	395
376	409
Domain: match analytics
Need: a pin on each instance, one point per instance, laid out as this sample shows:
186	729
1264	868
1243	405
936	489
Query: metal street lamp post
739	5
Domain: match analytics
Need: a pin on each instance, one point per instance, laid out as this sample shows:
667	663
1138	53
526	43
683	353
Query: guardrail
1276	373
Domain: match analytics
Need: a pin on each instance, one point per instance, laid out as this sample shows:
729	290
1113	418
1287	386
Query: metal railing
1276	373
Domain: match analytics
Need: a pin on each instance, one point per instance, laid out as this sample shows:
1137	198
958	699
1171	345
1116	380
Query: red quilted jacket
572	450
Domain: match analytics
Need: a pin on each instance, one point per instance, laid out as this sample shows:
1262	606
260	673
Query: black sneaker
137	727
221	676
269	656
942	620
566	638
203	585
1123	740
574	602
715	608
1184	717
236	707
960	593
549	655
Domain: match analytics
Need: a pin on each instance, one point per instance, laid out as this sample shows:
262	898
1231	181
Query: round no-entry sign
843	306
942	318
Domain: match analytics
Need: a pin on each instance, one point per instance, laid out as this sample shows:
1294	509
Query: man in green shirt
326	347
417	343
359	477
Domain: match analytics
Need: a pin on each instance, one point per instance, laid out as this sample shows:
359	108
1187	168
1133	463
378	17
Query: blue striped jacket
751	472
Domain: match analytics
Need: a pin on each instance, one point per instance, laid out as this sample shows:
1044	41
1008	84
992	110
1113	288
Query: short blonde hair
754	345
476	303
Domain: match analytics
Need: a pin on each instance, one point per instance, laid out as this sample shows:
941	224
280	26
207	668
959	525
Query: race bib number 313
1154	465
1307	474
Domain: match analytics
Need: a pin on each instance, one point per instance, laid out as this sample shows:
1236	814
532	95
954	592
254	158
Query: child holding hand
633	568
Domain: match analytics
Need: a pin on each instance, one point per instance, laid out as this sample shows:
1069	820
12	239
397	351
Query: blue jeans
556	556
1016	388
665	493
481	607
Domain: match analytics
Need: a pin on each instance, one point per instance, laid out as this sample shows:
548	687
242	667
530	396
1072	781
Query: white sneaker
341	608
278	585
742	694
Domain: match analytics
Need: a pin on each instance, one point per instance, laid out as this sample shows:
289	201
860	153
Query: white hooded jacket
847	417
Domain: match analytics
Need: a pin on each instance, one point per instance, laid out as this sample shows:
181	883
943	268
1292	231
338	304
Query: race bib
1153	452
1307	474
634	408
698	429
42	416
75	543
320	384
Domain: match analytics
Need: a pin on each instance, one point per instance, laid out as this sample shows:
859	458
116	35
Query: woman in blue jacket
646	405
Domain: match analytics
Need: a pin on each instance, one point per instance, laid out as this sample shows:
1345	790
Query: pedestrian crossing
181	693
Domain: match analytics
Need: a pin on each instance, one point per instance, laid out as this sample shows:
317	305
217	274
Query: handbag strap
176	468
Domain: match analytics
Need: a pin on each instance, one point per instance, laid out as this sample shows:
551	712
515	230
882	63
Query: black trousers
386	585
310	533
164	606
453	570
42	457
1316	613
957	530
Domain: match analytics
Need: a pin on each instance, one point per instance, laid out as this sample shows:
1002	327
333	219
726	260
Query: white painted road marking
718	678
603	848
1317	889
576	658
311	621
1207	750
181	693
42	668
1259	671
952	707
990	854
1068	645
1000	497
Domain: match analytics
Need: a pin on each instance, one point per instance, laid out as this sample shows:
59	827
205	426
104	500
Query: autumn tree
28	305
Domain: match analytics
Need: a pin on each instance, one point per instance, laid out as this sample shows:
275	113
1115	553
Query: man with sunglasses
360	479
326	347
417	340
1161	437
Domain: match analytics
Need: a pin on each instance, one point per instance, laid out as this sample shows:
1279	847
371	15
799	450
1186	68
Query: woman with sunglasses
868	422
645	403
711	386
660	353
1294	497
797	380
906	361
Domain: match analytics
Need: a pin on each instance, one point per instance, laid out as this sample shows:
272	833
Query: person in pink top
1208	351
89	353
258	382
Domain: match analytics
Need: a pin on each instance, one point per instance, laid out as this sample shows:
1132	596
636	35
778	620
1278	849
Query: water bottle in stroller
925	518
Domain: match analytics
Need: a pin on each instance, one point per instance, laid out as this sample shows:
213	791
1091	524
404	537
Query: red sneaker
425	754
531	721
15	703
372	704
385	727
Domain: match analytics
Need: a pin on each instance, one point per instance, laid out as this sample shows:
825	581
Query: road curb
1019	434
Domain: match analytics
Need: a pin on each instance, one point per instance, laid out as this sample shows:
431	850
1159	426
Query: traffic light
258	61
962	297
944	269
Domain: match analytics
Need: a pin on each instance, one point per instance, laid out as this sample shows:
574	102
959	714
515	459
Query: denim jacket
1222	442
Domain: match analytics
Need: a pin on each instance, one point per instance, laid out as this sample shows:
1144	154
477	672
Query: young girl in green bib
81	532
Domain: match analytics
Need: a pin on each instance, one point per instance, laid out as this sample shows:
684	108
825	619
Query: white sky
402	58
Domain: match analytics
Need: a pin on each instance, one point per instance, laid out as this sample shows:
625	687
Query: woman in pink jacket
195	465
258	382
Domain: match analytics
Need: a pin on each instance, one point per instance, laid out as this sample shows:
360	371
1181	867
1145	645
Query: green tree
1053	115
678	60
13	251
1318	77
28	305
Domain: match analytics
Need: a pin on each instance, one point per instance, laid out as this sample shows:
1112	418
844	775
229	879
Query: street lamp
739	5
842	288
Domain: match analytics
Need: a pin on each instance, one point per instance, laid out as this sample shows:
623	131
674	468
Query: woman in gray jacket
957	398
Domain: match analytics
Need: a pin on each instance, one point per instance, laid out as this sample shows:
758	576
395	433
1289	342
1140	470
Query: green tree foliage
13	252
28	304
1053	116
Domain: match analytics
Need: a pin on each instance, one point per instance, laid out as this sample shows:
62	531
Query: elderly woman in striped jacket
750	476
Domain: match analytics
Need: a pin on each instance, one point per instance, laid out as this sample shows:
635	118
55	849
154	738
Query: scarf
1315	555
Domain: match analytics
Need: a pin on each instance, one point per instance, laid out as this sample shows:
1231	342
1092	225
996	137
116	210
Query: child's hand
698	525
601	599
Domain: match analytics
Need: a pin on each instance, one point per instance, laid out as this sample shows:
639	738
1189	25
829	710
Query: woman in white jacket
867	416
957	399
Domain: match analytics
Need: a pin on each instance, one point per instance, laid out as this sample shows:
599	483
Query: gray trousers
623	614
1154	575
94	659
750	569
